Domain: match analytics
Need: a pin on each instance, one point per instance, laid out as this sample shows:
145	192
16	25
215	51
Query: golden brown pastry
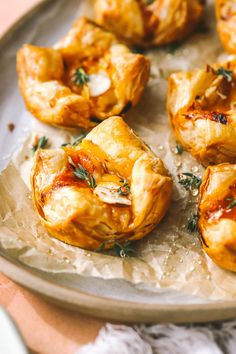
87	77
201	105
226	23
217	214
149	22
111	187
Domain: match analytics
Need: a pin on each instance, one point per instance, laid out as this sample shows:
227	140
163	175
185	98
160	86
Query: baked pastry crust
201	107
217	214
145	22
50	78
226	23
124	196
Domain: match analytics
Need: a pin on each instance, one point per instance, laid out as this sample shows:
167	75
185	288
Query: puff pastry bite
217	214
201	105
87	77
226	23
149	22
111	187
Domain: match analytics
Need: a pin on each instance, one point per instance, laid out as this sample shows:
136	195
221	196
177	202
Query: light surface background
11	10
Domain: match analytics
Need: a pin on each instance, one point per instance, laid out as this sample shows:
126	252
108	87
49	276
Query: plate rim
101	306
114	309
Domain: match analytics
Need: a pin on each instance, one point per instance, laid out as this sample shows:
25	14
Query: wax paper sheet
171	256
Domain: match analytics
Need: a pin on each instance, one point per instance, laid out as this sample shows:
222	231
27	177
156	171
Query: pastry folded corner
110	187
200	104
87	77
217	214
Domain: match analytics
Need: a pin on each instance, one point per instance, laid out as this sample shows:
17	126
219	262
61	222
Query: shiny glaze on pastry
226	23
147	22
111	187
201	106
87	77
217	214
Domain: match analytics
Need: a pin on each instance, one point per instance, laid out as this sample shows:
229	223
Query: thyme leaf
101	248
149	2
226	73
219	117
83	174
173	47
77	140
203	27
126	108
231	205
80	77
189	181
179	149
123	250
95	120
192	225
125	189
40	144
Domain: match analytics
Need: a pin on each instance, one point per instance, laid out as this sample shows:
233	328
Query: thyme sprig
40	144
77	140
179	149
80	77
83	174
125	188
226	73
192	225
101	248
123	250
189	181
232	204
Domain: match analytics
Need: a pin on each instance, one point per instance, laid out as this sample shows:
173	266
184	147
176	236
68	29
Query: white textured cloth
218	338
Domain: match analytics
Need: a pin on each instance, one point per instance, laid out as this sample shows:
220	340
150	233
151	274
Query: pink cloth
11	10
46	328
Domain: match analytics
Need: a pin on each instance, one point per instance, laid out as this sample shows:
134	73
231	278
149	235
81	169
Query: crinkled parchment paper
170	257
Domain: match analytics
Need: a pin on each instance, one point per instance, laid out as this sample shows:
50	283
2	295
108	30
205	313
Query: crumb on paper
11	127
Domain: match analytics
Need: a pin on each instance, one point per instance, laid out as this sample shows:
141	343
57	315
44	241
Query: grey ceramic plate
110	299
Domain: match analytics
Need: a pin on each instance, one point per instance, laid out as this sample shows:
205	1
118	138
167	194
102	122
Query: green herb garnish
77	140
179	149
127	107
101	248
173	47
149	2
95	120
189	181
192	225
125	189
231	205
42	142
120	250
219	117
203	27
83	174
123	250
80	77
226	73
